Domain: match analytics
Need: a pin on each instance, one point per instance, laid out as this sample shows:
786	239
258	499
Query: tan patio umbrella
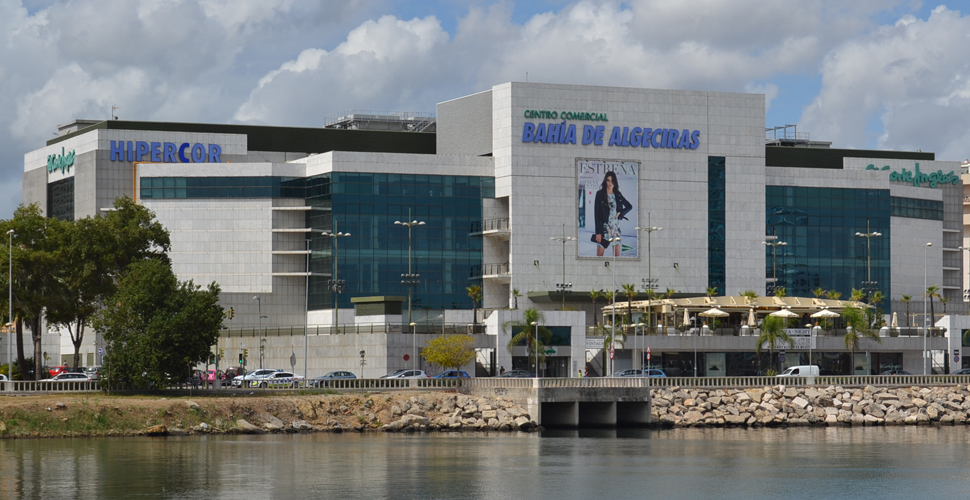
686	317
714	313
895	324
826	314
783	313
751	318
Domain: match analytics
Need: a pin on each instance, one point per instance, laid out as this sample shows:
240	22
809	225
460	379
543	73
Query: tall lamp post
410	279
613	252
562	286
774	244
10	234
650	284
413	336
336	285
926	324
869	285
966	291
306	315
259	312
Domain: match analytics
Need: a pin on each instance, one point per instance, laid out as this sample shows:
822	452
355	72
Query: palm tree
524	332
906	299
856	318
750	296
832	294
515	297
780	291
943	301
932	291
475	293
818	292
595	295
857	295
772	332
875	299
711	291
629	291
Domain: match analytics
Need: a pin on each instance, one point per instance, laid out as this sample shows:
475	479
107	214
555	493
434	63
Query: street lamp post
774	244
614	240
413	336
869	285
409	279
563	287
10	234
925	320
306	315
259	312
650	284
336	285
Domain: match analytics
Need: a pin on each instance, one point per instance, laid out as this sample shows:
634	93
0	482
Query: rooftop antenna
113	109
526	77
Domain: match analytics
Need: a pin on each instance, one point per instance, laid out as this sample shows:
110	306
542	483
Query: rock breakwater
810	406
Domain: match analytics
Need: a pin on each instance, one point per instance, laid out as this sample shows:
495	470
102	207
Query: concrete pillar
633	413
597	414
561	414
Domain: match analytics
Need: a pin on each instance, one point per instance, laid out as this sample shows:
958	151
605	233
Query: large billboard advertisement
609	201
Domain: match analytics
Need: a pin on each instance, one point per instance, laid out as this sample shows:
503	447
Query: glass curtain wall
819	226
374	257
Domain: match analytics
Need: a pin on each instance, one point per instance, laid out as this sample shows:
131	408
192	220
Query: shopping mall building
537	193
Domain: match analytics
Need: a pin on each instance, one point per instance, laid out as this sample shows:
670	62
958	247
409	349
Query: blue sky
888	74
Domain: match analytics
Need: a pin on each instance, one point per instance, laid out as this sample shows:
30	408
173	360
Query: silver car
407	374
247	379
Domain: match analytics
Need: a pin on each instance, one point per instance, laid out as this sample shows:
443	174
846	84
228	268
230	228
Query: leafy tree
857	295
37	241
156	327
630	291
834	295
524	332
772	332
474	293
818	292
906	299
875	299
943	301
856	318
515	297
711	291
780	292
450	351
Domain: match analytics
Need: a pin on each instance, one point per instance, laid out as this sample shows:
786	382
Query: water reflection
626	463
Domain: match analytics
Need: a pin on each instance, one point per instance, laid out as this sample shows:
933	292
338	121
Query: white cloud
903	87
770	90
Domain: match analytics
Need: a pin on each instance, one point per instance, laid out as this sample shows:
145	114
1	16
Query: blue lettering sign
169	152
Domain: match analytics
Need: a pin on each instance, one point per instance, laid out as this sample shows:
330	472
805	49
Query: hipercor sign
165	152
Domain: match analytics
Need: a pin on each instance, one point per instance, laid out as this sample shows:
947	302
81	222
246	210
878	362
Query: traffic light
230	313
222	354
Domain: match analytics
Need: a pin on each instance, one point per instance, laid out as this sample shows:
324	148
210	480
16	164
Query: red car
57	370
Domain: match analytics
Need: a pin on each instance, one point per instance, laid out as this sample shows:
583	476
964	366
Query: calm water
694	463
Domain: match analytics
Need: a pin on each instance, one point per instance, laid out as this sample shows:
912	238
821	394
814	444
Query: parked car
632	372
67	377
452	374
800	371
93	372
325	380
57	370
407	374
965	371
895	372
279	380
245	380
3	378
518	374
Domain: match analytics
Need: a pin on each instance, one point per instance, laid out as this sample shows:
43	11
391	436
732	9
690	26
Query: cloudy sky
889	74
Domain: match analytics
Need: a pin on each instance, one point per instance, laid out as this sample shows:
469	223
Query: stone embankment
811	406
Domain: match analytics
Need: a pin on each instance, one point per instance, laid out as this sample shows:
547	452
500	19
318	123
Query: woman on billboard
610	207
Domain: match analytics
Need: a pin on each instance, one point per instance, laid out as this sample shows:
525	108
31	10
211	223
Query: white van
800	371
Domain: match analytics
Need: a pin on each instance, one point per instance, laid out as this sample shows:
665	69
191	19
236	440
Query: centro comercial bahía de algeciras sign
566	133
916	177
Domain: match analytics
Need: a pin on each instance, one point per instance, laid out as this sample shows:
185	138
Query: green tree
834	295
818	292
524	333
780	291
515	297
857	295
474	293
157	328
856	318
630	291
772	332
37	241
450	351
906	299
943	301
711	291
875	299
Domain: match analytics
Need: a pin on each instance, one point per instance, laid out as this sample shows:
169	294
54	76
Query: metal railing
377	328
489	270
490	225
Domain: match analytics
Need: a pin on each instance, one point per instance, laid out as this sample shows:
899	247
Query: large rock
245	427
156	430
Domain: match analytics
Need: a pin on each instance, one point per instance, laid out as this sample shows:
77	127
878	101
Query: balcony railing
489	270
490	225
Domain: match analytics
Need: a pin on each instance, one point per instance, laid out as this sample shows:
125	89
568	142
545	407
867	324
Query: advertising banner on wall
609	201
